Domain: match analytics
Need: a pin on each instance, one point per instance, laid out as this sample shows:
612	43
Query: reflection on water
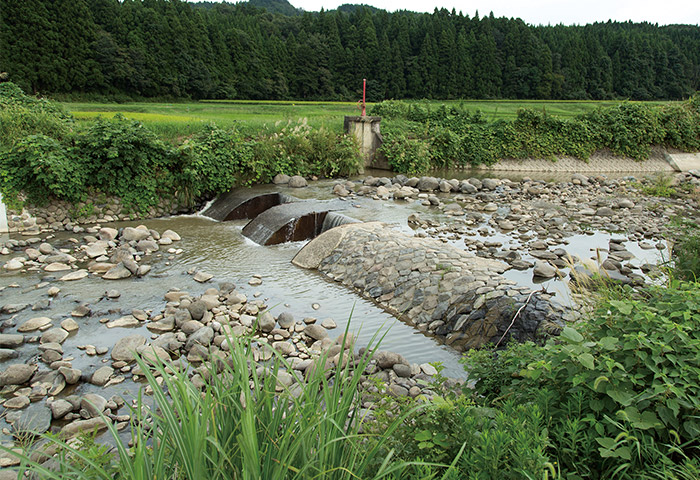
220	249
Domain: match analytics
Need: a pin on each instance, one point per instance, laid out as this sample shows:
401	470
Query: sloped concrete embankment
438	288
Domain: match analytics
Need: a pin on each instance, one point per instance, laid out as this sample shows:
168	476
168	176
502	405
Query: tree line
171	48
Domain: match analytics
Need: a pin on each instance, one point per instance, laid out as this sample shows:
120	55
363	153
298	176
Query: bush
122	157
681	126
39	167
686	255
628	129
406	155
621	395
478	442
22	115
457	137
214	161
297	149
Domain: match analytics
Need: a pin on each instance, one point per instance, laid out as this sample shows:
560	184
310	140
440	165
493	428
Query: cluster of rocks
538	217
62	215
199	330
190	331
295	181
436	287
107	252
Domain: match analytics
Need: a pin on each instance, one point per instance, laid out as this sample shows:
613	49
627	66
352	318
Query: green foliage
122	157
405	154
22	115
505	443
214	161
297	149
622	393
39	167
659	186
174	49
686	254
681	126
628	129
457	137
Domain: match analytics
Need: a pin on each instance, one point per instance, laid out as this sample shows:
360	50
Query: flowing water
220	248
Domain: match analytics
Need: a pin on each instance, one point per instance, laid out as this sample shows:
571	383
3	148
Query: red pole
364	91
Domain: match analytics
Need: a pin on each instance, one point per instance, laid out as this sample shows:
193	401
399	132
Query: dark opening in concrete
237	205
293	222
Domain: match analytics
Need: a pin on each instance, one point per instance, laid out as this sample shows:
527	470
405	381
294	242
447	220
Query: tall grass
21	115
243	425
172	121
16	122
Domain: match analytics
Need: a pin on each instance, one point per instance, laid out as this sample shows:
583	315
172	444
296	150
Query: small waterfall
335	219
239	204
289	230
293	222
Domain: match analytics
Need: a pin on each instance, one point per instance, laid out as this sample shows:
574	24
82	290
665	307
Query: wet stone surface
460	270
438	288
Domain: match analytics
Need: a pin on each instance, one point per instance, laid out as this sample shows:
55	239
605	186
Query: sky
543	12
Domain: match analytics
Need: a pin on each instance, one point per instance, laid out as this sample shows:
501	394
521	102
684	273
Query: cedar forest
174	49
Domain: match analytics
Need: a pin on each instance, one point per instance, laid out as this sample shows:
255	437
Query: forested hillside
170	48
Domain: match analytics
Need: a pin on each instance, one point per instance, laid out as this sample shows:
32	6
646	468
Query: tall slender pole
364	92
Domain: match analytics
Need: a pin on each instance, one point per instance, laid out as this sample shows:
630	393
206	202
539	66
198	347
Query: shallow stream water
219	248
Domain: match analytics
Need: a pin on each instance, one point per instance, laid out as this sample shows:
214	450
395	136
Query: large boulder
17	374
126	347
297	182
389	359
428	184
135	234
281	179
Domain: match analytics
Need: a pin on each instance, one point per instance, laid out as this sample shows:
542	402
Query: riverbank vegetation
44	153
419	137
130	50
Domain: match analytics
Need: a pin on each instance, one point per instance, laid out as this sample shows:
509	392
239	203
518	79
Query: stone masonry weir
438	288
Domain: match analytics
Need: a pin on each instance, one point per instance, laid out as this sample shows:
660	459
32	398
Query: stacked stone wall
438	288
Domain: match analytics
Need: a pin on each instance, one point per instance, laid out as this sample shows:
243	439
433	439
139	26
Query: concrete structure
3	217
296	221
684	162
367	132
242	203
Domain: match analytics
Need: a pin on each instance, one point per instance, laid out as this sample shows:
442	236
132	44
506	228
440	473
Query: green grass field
172	120
177	120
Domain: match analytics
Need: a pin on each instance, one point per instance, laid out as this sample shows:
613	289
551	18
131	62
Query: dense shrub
478	442
622	394
41	156
686	253
214	161
22	115
459	138
628	129
405	154
122	157
297	149
681	126
40	167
